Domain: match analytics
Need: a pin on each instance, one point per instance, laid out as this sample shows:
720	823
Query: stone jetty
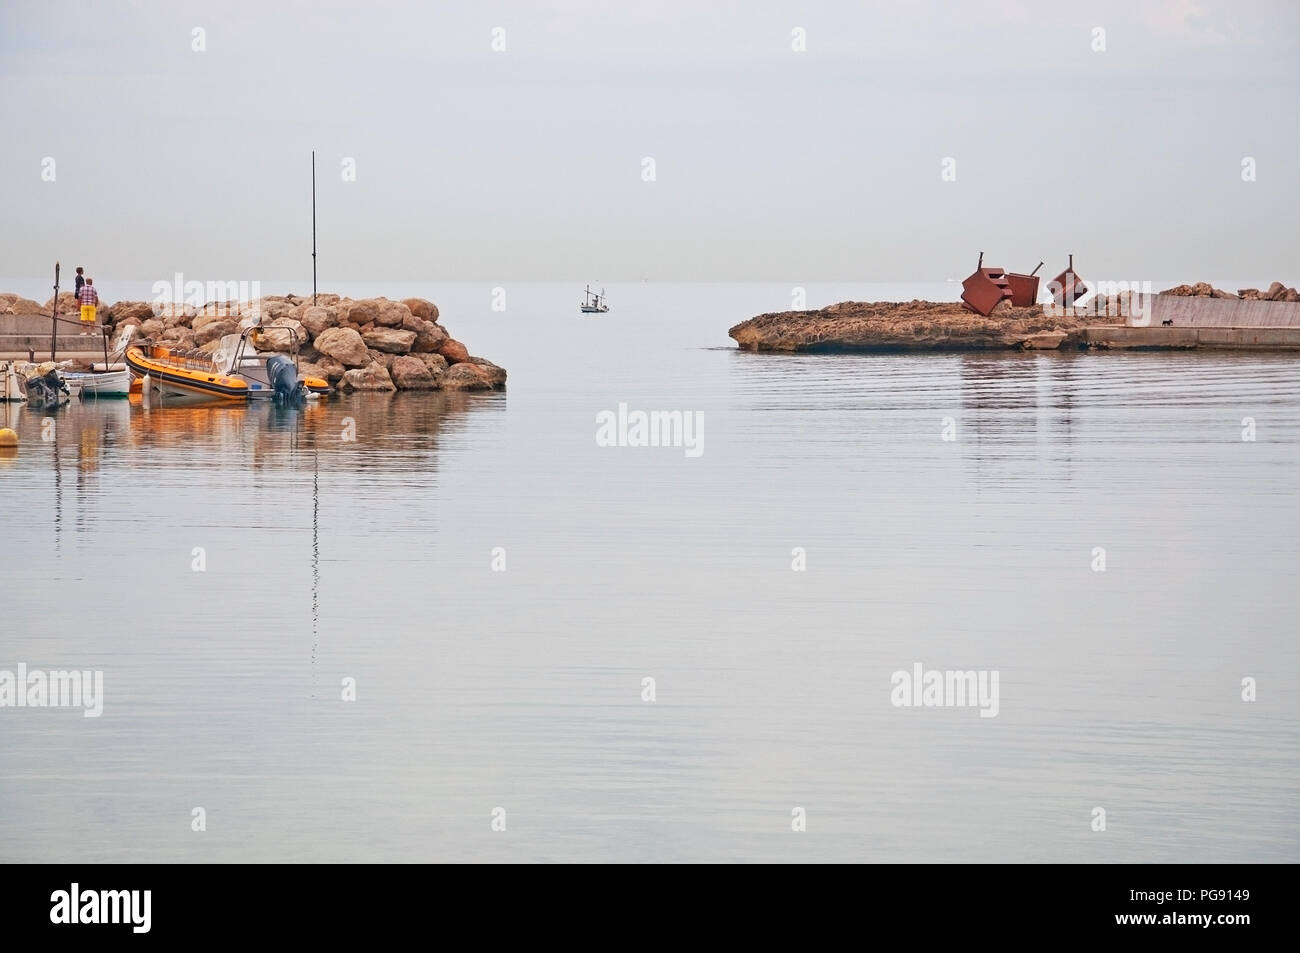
370	344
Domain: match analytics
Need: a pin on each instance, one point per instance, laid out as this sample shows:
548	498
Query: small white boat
593	303
113	380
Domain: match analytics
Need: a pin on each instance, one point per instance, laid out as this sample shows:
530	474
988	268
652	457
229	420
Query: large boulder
344	345
67	302
203	320
392	314
436	363
428	337
453	351
411	373
363	311
421	308
272	309
1276	292
333	371
372	377
496	376
307	369
465	377
131	312
179	337
280	336
316	320
390	340
152	328
27	306
209	332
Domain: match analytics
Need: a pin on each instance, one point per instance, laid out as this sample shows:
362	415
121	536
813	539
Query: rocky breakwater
372	344
915	326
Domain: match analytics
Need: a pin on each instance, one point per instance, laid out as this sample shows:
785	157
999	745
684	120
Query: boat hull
190	379
97	384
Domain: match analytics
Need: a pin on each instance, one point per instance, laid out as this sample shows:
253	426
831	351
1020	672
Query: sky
129	149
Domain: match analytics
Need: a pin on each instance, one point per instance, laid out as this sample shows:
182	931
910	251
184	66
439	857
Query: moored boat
235	370
114	381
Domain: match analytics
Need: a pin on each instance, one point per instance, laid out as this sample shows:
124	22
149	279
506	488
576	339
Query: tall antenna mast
313	226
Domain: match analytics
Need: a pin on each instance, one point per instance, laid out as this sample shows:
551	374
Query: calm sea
495	588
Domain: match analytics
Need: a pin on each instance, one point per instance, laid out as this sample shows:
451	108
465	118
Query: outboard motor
282	374
46	390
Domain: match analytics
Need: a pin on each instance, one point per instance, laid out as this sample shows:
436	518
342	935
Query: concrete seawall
1221	312
1159	338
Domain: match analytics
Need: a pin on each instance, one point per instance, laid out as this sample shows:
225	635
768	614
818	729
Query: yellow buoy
8	438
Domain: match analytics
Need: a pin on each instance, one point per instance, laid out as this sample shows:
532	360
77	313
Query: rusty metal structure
987	288
1068	287
1024	288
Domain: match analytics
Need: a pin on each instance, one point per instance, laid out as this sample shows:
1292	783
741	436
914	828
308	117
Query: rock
1291	295
171	321
134	312
453	351
203	320
333	370
1276	291
27	306
496	376
364	311
1249	294
179	337
277	337
392	314
389	340
436	363
344	345
1044	341
67	302
308	369
209	332
411	373
271	310
425	310
876	326
381	357
316	320
152	328
309	353
372	377
465	377
428	338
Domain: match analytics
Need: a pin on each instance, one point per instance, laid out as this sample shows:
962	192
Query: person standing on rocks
89	299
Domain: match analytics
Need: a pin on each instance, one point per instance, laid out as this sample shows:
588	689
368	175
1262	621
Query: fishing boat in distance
594	303
235	370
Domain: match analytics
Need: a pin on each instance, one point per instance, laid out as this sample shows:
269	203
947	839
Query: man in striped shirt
89	299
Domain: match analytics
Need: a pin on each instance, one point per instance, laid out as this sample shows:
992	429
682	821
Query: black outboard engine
46	390
282	374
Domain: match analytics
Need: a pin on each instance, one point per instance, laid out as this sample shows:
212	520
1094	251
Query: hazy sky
771	164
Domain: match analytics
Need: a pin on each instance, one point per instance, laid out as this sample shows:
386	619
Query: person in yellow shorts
89	299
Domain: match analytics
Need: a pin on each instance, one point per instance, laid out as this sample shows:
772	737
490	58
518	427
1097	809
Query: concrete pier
1160	338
